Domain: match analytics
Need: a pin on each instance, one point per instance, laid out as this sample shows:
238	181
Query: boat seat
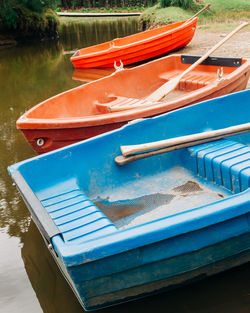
225	162
76	216
119	103
191	81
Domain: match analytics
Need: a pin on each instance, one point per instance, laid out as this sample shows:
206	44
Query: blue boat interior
89	197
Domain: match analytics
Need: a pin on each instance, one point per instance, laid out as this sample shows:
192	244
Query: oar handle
189	139
122	160
200	60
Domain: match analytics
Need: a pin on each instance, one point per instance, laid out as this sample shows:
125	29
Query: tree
9	9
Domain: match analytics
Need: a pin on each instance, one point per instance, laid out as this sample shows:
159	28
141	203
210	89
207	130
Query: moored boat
83	112
122	232
91	74
137	47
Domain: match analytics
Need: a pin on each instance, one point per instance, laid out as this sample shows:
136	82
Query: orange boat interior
136	83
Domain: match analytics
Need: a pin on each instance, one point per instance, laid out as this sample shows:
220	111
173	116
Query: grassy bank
220	12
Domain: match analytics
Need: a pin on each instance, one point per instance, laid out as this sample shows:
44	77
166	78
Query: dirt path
237	46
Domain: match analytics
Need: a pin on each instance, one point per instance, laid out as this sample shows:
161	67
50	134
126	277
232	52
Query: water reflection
79	35
28	75
52	291
16	293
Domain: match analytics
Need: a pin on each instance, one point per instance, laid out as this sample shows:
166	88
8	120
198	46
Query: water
30	281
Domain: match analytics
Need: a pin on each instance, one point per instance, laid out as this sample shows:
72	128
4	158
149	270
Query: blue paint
91	248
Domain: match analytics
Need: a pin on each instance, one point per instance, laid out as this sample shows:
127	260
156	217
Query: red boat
137	47
103	105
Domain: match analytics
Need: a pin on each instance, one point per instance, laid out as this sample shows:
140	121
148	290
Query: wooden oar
169	86
199	12
172	144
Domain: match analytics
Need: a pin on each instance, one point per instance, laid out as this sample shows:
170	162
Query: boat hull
123	232
132	52
171	273
58	138
61	137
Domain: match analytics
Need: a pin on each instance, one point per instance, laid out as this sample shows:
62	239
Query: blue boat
123	232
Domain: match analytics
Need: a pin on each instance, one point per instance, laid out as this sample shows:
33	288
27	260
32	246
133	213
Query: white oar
163	146
169	86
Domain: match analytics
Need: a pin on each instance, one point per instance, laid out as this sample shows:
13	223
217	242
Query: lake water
30	281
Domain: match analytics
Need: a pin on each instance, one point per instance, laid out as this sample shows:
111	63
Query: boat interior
132	86
88	197
166	194
153	189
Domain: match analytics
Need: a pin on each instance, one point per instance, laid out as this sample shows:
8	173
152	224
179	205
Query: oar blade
164	90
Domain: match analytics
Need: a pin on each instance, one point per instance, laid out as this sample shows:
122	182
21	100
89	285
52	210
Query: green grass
221	11
159	16
221	6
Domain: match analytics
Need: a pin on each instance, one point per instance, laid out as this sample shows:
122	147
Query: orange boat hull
138	47
90	74
75	114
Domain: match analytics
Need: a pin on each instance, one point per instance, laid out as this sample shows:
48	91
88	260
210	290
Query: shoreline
106	14
152	17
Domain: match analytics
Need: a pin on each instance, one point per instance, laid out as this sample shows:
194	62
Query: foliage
185	4
165	3
12	10
233	5
39	5
113	10
107	4
7	14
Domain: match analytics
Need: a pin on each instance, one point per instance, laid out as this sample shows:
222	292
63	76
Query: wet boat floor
163	195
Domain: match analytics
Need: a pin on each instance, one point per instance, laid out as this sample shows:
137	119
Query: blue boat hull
120	233
158	276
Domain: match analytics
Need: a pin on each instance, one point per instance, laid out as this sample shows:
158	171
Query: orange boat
138	47
89	74
102	105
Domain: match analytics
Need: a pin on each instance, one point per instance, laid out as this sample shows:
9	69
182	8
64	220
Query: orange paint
90	74
138	47
82	112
